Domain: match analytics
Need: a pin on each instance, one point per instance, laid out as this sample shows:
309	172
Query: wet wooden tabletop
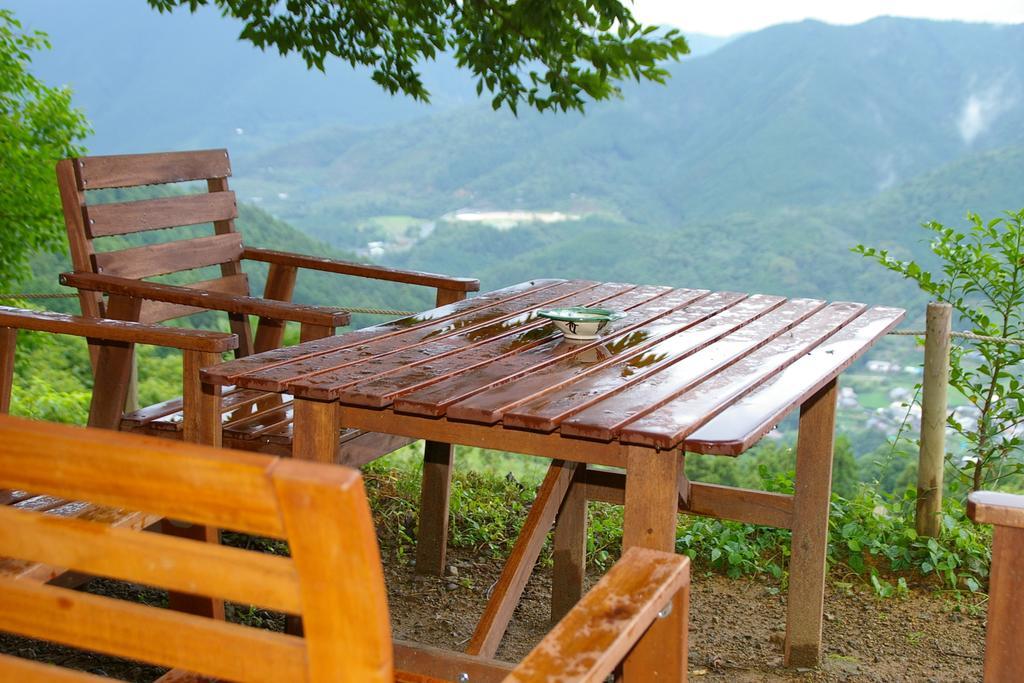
711	372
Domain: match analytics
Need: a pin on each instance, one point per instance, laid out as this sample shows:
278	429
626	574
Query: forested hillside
780	250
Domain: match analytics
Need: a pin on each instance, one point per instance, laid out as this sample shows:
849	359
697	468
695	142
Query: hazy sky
725	17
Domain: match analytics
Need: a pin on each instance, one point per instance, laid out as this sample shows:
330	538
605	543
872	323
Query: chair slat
151	559
27	671
181	481
130	170
160	311
170	257
124	218
174	639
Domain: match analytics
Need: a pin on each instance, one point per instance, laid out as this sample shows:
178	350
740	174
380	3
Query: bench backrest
88	222
333	577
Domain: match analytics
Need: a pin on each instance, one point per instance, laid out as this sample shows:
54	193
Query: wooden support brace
570	548
652	503
520	563
310	332
113	368
432	536
280	286
316	430
711	500
810	527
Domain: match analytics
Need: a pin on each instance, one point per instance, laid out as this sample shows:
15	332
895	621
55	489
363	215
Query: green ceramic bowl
580	322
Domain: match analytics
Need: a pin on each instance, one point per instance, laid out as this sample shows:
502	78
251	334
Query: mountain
792	115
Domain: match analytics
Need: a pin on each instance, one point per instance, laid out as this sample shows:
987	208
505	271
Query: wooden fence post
934	404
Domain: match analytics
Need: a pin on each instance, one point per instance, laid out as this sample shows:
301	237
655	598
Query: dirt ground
736	627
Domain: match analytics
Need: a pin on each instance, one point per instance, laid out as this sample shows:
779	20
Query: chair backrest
333	577
88	222
1004	633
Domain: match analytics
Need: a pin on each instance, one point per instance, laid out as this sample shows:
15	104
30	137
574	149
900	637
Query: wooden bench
110	337
333	578
252	420
1004	638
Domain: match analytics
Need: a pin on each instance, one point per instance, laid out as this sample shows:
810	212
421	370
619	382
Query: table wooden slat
700	323
461	335
667	426
640	326
409	373
624	398
750	418
545	410
225	373
305	375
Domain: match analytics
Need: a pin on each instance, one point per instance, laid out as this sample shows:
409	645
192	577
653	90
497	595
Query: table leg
435	489
200	424
652	503
570	548
432	536
810	527
315	429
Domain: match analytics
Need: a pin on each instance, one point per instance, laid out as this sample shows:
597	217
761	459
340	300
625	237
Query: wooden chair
1004	638
333	577
252	420
110	336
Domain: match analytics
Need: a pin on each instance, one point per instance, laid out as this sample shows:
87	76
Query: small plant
983	279
869	534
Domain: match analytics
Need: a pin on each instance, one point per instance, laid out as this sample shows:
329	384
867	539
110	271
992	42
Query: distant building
848	398
883	367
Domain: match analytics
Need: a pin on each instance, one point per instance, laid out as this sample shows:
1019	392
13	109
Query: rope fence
961	335
39	295
389	311
72	295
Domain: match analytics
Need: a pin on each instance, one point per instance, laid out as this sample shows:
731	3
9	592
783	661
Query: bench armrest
603	627
1001	509
202	298
117	330
411	277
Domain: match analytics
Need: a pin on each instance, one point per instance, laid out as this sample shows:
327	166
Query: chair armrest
410	277
594	637
117	330
1001	509
202	298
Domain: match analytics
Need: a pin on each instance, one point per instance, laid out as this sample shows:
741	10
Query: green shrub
871	533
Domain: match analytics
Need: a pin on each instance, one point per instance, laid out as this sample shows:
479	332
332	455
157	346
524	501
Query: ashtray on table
580	322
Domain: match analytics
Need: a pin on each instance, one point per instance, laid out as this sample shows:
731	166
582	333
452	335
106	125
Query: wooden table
686	370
